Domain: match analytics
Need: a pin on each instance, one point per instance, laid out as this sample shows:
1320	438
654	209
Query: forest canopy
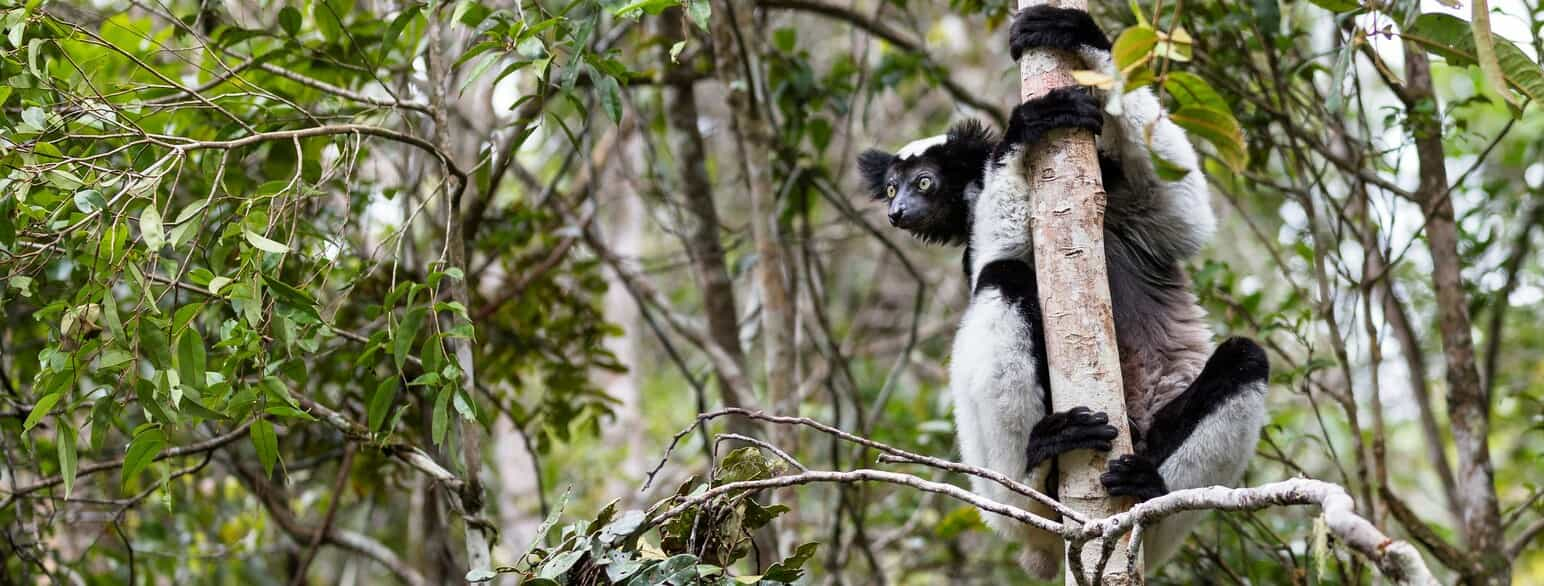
593	291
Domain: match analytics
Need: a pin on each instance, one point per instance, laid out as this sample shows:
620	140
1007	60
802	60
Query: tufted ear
873	164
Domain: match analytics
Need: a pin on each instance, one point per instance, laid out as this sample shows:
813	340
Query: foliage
232	307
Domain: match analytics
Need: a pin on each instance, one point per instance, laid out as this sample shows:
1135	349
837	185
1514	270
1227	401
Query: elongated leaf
1485	50
191	358
266	443
1218	128
1452	38
402	339
264	244
41	409
67	461
381	401
143	449
150	228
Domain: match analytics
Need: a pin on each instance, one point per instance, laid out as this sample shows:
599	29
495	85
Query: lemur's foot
1135	476
1077	429
1054	28
1067	107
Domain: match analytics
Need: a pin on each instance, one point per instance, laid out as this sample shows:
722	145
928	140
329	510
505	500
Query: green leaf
289	20
67	462
41	409
1218	128
1167	170
653	7
1337	6
675	51
789	569
266	443
150	227
1133	47
89	200
191	358
143	449
393	32
1485	50
1267	15
699	11
381	402
1451	38
265	244
1337	94
785	39
441	418
610	96
402	339
1190	90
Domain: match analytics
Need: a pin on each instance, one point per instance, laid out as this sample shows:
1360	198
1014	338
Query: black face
914	189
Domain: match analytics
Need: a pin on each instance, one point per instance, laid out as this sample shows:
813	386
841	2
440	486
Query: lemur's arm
1171	219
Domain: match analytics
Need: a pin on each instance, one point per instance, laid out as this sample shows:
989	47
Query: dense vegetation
373	291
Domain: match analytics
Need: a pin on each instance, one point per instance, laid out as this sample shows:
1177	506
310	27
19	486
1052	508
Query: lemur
1195	420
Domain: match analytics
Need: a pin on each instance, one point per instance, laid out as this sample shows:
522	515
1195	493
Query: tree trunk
1468	406
701	239
1067	226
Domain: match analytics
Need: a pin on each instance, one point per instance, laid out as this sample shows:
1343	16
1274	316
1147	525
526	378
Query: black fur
1079	428
1066	107
873	164
1235	365
1054	28
1133	475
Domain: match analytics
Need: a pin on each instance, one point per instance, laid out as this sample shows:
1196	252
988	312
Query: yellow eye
925	183
890	191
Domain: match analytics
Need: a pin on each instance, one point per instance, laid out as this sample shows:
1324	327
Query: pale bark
1468	406
478	534
1067	226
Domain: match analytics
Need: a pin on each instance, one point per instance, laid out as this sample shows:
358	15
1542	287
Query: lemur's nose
897	211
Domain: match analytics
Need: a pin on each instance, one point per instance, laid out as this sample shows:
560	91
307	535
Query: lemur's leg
1173	218
994	382
1204	437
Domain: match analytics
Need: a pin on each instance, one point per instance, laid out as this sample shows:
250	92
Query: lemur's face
915	188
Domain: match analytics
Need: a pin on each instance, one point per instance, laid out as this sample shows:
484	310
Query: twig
344	467
896	455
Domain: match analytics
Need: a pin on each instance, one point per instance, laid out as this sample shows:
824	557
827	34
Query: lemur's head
925	182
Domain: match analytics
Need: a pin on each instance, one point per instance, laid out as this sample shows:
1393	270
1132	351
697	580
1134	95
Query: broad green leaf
191	358
150	227
41	409
1133	47
266	443
143	449
1190	90
1218	128
1452	38
66	443
289	20
675	51
265	244
89	200
790	569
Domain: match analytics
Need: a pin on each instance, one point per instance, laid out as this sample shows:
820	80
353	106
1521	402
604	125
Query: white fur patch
921	145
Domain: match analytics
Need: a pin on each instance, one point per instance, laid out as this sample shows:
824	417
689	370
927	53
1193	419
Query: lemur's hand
1068	29
1135	476
1067	107
1077	429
